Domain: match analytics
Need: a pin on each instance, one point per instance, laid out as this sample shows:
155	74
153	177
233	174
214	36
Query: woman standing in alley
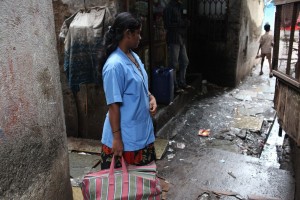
128	128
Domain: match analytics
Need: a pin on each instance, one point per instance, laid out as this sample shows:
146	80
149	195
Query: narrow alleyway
238	159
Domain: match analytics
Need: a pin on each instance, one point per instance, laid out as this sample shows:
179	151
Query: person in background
128	128
266	43
176	27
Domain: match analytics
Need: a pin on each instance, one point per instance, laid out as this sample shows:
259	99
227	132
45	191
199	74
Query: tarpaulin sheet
83	33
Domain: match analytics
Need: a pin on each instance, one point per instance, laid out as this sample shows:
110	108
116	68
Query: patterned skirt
139	157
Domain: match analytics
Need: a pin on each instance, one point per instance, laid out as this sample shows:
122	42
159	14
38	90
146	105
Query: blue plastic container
163	84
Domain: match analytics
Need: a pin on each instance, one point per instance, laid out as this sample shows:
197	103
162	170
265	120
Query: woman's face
135	38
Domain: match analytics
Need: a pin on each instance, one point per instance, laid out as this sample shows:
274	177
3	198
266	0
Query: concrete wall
33	149
85	111
232	44
251	18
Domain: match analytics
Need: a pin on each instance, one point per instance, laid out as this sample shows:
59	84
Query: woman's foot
261	73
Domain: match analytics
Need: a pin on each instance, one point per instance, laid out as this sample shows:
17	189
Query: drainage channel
270	152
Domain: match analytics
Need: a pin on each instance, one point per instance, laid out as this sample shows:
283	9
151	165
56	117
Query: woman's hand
153	105
117	146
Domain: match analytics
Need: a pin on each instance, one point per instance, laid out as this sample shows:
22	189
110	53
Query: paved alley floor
235	158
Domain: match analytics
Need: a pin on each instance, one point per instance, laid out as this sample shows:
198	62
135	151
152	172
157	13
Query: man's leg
183	63
173	53
262	64
270	65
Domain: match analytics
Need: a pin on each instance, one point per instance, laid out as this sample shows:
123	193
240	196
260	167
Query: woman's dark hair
115	33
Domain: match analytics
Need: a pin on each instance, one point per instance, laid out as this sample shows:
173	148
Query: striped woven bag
132	182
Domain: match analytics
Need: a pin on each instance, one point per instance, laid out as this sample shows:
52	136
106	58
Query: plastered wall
33	149
251	18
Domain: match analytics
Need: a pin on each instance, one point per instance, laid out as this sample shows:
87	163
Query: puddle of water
269	154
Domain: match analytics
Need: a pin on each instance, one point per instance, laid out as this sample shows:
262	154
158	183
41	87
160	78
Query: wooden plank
294	19
94	146
283	77
77	193
287	105
297	66
279	2
280	103
160	147
298	138
276	95
291	114
91	107
84	145
276	37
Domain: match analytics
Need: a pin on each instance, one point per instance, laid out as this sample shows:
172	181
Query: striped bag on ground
132	182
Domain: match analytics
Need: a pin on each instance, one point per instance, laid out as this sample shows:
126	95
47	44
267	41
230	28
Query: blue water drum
163	84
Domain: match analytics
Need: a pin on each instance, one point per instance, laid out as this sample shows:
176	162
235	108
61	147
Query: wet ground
238	117
235	158
238	157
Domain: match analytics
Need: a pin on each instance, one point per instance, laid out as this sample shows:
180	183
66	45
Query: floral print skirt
139	157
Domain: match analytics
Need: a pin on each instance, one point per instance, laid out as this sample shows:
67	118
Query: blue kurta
124	83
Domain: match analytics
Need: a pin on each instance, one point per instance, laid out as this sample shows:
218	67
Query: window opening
213	18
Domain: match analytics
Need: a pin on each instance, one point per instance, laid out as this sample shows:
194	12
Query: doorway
208	36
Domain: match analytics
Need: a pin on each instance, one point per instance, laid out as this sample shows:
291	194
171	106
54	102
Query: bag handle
112	166
111	176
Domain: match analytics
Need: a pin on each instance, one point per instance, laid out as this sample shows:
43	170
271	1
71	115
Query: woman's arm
114	119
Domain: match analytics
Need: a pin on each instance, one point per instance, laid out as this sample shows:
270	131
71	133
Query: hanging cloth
83	36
